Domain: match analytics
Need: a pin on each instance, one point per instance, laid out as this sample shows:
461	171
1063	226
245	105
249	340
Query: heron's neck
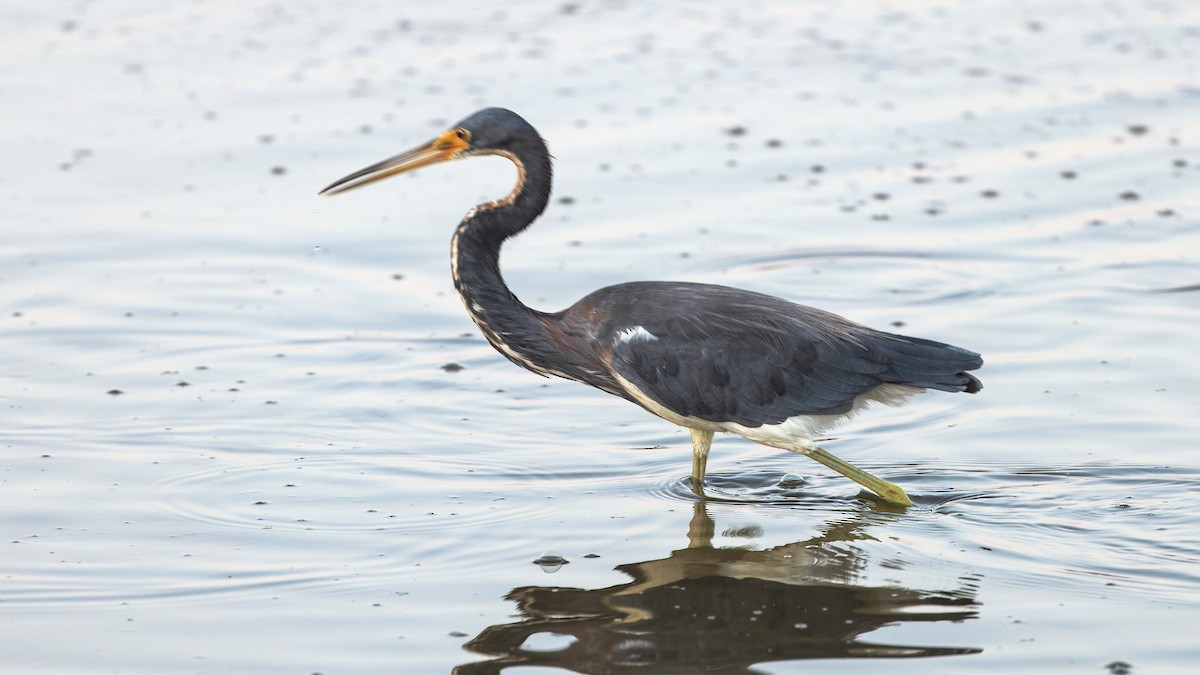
514	329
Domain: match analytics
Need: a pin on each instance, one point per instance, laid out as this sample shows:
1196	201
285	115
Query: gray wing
726	355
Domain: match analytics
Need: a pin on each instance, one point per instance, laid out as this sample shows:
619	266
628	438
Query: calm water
229	444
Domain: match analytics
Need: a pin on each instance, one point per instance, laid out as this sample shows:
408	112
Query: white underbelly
795	433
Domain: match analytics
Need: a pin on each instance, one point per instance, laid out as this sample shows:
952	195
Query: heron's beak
444	148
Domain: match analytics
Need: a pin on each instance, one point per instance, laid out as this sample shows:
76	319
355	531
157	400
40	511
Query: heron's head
491	131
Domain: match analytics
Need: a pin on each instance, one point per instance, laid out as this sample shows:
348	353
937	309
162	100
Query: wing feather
726	355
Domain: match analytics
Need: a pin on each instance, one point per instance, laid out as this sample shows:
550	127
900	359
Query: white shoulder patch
635	334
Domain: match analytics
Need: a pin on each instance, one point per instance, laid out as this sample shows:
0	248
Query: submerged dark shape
721	610
708	358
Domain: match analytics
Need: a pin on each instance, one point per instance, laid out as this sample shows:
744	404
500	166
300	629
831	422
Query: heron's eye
463	135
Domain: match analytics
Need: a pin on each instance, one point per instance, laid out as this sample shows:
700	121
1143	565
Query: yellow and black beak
450	145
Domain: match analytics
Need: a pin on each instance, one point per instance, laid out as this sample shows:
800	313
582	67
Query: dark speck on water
550	561
791	480
452	367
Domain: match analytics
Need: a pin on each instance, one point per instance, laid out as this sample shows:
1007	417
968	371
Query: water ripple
339	495
919	276
1128	525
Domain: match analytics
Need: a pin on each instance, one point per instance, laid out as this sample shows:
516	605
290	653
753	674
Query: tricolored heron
708	358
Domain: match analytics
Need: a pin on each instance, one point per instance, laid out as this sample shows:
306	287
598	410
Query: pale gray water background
289	482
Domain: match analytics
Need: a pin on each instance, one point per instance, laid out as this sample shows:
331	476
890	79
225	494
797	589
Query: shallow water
230	445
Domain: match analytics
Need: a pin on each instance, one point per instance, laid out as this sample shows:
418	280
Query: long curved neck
515	330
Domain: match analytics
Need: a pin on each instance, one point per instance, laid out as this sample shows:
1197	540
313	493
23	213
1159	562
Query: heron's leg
701	442
702	527
891	493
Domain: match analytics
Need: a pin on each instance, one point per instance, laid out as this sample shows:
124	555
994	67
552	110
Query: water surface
230	443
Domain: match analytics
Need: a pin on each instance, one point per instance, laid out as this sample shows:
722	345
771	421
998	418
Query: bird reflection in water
721	610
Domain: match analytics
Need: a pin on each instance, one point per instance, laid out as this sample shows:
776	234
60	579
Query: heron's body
708	358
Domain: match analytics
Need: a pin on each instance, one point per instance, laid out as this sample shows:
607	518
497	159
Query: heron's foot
698	487
890	492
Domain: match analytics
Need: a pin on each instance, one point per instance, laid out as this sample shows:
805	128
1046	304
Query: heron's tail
917	362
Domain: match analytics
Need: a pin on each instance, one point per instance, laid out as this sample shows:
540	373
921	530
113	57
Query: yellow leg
890	493
702	527
701	442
